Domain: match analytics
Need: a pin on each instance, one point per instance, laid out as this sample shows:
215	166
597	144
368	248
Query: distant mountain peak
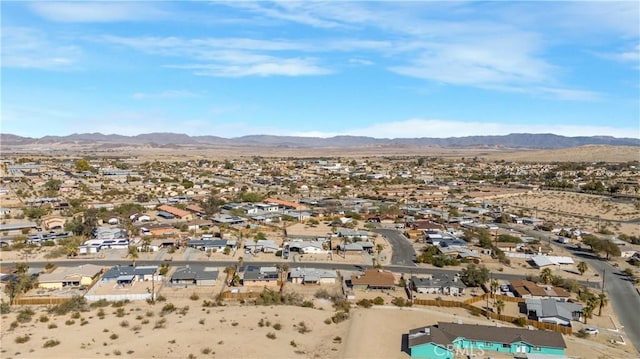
514	140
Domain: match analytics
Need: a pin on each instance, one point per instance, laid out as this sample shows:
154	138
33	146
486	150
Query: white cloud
29	48
94	11
267	67
169	94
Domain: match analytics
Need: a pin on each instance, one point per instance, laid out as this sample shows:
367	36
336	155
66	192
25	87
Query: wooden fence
239	295
484	312
40	301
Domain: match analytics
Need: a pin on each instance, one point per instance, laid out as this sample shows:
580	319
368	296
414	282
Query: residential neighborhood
499	240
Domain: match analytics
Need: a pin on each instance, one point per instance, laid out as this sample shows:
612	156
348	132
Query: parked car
593	331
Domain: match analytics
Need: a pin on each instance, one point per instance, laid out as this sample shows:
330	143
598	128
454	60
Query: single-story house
177	212
194	275
312	275
224	218
356	247
541	261
254	276
550	310
158	230
211	244
129	274
263	245
445	339
374	279
528	289
438	284
308	247
61	277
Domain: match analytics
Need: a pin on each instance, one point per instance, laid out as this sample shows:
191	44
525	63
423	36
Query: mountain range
515	140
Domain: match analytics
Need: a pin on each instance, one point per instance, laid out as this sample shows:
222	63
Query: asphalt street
403	252
623	297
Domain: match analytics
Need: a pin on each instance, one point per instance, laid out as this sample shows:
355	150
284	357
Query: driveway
403	252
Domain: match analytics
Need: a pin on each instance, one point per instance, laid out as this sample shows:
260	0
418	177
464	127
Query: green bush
75	304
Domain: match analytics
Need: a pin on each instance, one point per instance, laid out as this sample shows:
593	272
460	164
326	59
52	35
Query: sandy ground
227	332
563	207
233	332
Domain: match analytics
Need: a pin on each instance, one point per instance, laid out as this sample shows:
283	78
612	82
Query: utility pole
603	275
490	279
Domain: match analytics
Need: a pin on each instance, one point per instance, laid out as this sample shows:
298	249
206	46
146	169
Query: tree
53	184
582	267
82	165
602	301
588	309
133	253
546	276
500	306
494	286
474	276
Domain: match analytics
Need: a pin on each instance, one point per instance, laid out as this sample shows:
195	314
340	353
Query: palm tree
546	275
602	301
588	309
582	267
500	306
133	253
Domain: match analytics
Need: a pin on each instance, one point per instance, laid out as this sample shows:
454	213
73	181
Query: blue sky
380	69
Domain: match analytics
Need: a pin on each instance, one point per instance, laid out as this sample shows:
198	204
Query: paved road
623	297
403	252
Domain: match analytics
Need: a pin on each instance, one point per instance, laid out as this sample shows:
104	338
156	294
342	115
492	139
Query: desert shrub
365	303
161	298
50	343
307	304
101	313
119	303
5	308
75	304
44	319
14	324
120	312
322	294
23	339
136	328
160	323
234	324
340	317
271	335
293	343
520	321
149	313
400	302
113	336
208	303
52	326
201	321
100	304
205	351
194	296
261	323
25	315
277	326
70	322
337	340
75	315
378	301
124	323
168	308
145	321
272	297
83	322
328	321
117	352
302	328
